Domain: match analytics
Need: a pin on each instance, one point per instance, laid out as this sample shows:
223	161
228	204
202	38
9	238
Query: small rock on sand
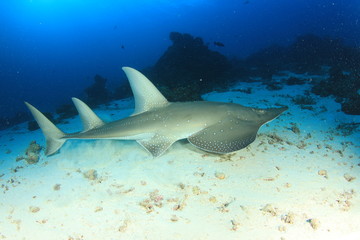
220	175
288	218
323	173
349	178
91	174
34	209
174	218
269	209
314	223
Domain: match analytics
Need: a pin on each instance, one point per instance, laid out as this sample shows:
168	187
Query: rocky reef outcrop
188	68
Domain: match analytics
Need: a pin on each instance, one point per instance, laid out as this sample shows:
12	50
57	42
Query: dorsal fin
89	119
146	95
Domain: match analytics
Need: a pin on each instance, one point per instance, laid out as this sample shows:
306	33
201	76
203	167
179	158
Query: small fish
219	44
122	47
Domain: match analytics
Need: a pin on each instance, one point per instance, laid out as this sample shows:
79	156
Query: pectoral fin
227	136
156	145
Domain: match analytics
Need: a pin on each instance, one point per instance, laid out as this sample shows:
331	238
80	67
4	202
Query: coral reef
191	65
344	85
32	153
307	54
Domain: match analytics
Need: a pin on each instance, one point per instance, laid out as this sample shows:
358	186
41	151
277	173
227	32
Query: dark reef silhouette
313	55
188	69
97	93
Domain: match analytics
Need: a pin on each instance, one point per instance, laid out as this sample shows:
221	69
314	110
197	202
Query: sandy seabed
300	179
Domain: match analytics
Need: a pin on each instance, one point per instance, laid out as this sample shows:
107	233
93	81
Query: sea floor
300	179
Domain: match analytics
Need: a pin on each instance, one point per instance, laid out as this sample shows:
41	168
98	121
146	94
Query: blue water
50	50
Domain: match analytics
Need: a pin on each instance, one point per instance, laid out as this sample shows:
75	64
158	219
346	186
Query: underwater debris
180	203
268	208
314	223
220	175
303	100
91	174
323	173
196	190
343	200
124	226
226	157
57	187
224	207
199	174
32	153
234	225
301	145
294	128
288	218
98	209
181	186
270	179
155	200
274	138
212	199
347	129
349	178
174	218
282	228
34	209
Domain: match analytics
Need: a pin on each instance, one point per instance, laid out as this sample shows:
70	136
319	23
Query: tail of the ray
54	136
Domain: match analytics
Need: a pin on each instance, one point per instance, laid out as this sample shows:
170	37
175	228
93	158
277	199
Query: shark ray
156	123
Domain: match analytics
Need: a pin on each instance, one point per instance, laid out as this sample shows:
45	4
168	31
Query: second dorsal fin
146	95
89	119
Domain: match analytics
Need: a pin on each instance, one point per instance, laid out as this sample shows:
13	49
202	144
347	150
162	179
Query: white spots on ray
221	146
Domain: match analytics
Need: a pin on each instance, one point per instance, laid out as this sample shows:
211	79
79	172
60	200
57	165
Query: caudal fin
54	136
